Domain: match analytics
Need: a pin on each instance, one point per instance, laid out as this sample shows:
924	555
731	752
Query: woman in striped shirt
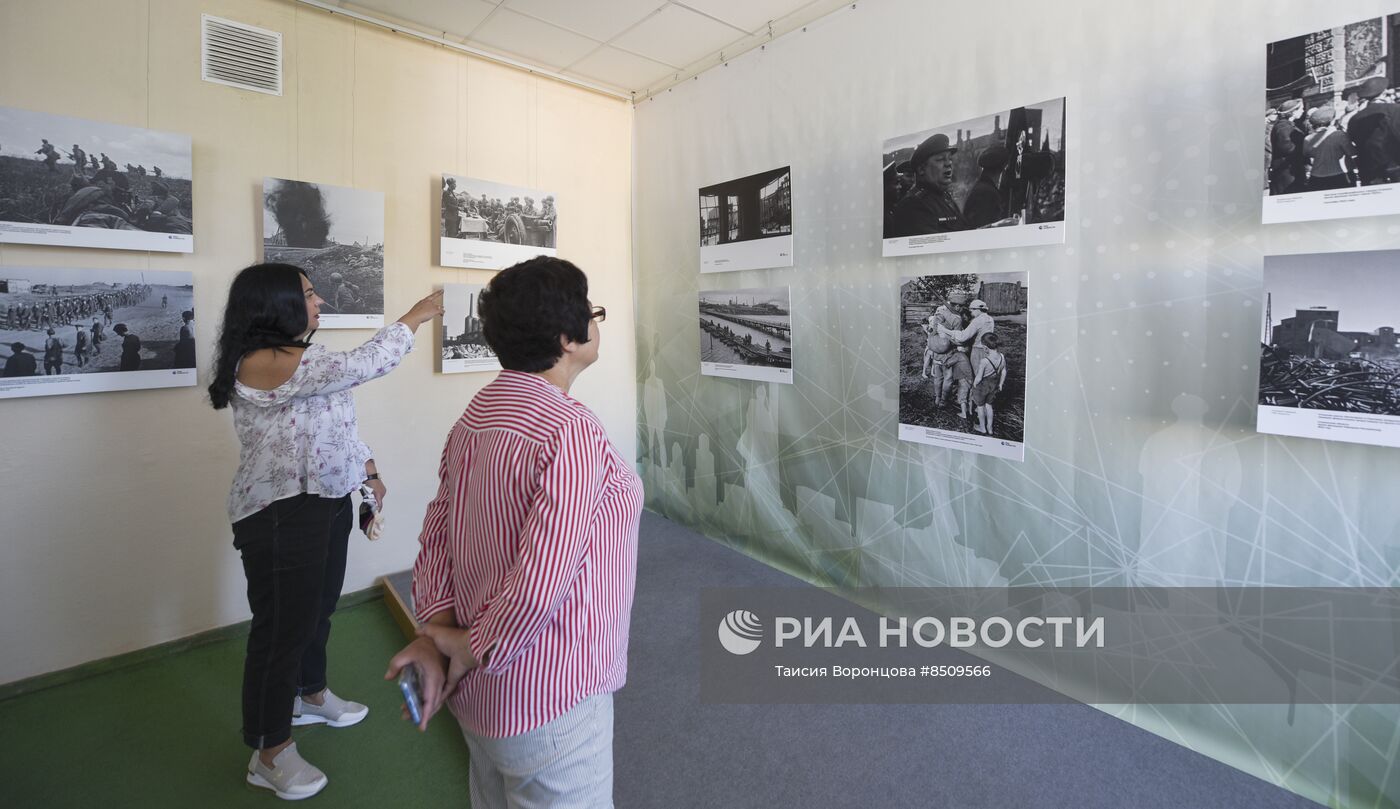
525	577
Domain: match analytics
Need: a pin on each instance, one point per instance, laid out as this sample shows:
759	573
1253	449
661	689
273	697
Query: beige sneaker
336	712
290	776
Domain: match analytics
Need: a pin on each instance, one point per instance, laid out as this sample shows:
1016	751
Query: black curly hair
526	307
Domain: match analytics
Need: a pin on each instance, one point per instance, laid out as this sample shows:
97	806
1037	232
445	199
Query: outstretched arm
325	372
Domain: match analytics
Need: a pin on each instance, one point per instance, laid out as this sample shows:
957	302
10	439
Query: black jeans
294	559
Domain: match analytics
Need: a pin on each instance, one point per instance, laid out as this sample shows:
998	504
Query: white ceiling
627	45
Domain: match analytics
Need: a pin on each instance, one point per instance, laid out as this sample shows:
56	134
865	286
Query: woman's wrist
413	322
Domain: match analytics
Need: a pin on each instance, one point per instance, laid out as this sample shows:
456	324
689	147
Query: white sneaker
290	776
336	712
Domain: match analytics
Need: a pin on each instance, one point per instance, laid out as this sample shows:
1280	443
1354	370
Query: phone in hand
412	692
371	519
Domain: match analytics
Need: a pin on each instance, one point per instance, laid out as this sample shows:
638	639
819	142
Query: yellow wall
113	534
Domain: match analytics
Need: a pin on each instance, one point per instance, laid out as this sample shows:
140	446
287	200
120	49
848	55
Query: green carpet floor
166	734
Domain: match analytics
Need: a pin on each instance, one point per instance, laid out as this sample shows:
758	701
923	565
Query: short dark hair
120	328
526	307
990	340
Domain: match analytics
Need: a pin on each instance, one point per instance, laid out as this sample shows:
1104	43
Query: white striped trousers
564	764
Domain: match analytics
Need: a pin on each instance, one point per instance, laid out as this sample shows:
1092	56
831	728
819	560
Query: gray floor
672	751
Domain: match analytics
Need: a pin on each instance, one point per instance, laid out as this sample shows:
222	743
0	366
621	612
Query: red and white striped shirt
532	542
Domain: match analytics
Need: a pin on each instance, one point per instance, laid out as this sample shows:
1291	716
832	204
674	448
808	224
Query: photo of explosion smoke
336	235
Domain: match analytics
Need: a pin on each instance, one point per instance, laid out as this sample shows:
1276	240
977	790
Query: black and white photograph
88	331
70	182
962	362
336	235
1330	123
462	347
993	181
490	226
1329	362
747	334
746	224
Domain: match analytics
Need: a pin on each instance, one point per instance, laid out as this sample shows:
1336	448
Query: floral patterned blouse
302	436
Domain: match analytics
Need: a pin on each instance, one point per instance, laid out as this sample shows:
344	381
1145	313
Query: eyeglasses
599	314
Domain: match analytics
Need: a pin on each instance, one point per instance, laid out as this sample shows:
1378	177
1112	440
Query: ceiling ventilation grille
241	56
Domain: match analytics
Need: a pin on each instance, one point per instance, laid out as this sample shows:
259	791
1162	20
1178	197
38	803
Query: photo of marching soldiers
746	334
77	183
1329	364
962	362
491	226
746	224
1332	123
336	235
463	348
993	181
80	331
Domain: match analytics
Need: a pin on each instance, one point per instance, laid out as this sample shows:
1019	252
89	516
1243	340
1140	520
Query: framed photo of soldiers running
1329	364
336	235
490	226
994	181
747	334
70	182
962	362
746	224
89	331
1332	124
461	345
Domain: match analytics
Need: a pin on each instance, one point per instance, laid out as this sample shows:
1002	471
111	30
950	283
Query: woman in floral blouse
300	458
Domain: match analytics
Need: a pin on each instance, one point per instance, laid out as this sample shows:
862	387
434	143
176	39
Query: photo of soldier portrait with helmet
69	182
993	181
